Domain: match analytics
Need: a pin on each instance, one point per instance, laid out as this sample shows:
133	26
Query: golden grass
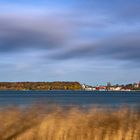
57	123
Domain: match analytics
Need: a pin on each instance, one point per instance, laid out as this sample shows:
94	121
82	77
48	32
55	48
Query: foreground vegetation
40	86
56	123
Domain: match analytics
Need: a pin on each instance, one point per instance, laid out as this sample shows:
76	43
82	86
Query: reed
73	123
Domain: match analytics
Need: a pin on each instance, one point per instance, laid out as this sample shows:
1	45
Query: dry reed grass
57	123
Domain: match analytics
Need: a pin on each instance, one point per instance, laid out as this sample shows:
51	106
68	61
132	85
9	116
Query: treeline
40	86
133	86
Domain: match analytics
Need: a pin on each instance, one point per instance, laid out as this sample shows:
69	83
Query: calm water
82	98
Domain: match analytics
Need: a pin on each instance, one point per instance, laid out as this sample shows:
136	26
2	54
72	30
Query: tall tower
108	85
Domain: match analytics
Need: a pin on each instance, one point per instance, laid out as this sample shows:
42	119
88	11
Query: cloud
92	40
58	31
125	47
22	31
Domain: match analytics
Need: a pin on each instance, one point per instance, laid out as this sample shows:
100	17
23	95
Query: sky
90	41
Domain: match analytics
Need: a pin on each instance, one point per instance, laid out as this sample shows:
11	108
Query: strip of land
40	86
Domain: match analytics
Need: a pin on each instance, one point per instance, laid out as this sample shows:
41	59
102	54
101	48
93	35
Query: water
67	98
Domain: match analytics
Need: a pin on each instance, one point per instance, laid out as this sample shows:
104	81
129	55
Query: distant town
110	87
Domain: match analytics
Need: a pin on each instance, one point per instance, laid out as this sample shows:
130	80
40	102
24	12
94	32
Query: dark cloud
24	32
125	47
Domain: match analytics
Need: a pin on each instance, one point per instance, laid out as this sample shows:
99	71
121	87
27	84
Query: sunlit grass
57	123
